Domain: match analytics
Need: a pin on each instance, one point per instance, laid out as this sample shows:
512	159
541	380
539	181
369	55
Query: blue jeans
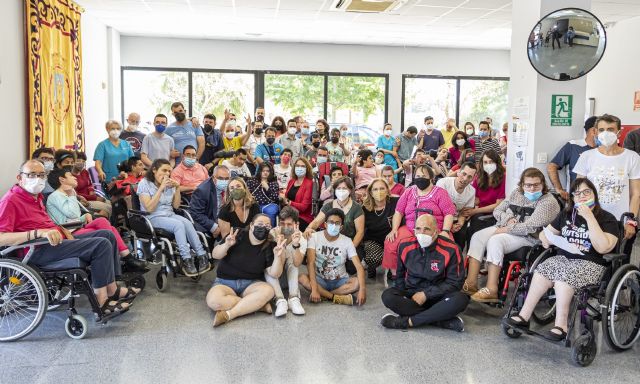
238	285
183	231
331	285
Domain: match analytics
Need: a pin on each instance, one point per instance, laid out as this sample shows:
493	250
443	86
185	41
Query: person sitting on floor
430	275
245	256
327	254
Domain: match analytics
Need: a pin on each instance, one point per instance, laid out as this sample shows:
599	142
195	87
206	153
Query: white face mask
48	166
291	131
114	133
379	160
388	132
33	186
460	142
132	127
470	131
342	194
424	240
429	127
490	168
230	135
607	138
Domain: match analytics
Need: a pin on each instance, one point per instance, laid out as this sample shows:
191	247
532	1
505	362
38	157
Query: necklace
375	210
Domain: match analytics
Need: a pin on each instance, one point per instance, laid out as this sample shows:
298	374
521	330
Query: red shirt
490	195
20	212
85	186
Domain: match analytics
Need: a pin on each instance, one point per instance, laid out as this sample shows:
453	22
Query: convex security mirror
566	44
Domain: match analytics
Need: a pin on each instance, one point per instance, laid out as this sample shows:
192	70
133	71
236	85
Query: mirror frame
604	30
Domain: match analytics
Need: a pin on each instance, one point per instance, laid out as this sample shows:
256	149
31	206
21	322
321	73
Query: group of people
275	196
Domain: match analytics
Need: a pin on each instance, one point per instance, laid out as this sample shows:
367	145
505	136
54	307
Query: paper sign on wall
561	110
521	108
636	101
520	133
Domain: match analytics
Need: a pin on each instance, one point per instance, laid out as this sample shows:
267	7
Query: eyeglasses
34	175
534	185
584	192
334	222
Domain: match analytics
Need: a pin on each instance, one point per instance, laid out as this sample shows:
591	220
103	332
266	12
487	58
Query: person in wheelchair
23	218
159	195
519	218
594	232
64	208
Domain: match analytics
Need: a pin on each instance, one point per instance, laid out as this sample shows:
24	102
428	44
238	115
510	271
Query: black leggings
430	312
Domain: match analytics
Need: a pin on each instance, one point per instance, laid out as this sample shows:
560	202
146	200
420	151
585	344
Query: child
364	171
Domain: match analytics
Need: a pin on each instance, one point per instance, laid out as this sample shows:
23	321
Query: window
212	92
149	92
482	98
424	97
289	95
356	101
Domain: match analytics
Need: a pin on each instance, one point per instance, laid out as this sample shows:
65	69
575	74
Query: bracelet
446	230
35	234
28	235
295	246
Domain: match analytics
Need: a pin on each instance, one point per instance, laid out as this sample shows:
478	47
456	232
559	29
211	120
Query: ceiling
480	24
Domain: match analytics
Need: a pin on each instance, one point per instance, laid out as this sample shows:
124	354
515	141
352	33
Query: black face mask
316	144
258	131
208	128
260	233
422	183
335	140
271	140
278	126
259	118
180	116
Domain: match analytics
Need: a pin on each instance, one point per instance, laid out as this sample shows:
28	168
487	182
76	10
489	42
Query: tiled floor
167	338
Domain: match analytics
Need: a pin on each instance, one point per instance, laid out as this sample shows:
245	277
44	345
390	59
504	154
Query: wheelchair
162	244
27	293
614	301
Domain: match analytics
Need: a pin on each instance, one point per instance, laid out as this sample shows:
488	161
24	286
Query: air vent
367	6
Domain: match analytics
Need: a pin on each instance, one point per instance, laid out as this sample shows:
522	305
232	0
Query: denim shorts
238	285
330	285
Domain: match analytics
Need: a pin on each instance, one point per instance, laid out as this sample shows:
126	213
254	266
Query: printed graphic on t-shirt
328	260
610	182
577	235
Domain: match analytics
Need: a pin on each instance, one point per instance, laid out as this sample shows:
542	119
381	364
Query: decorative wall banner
54	60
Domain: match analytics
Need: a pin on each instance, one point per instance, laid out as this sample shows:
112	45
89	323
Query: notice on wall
519	164
561	110
521	108
520	133
636	101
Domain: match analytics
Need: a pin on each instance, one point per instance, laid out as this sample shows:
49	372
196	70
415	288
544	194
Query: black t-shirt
245	260
293	191
577	233
134	139
378	225
228	214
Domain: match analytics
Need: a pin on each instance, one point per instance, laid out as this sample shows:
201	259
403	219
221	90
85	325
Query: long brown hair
249	200
369	202
486	181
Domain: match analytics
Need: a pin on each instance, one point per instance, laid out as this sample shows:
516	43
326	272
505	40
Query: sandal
553	336
109	309
127	298
517	321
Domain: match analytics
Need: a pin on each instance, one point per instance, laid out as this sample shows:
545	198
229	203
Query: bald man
131	133
23	218
430	276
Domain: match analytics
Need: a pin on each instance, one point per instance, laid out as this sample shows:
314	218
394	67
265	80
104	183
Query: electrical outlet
542	158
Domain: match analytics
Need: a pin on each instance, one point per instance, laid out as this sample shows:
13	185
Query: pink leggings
102	223
390	258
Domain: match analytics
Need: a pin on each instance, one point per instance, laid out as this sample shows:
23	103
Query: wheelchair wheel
545	311
161	281
510	332
584	350
21	288
621	322
138	282
76	327
58	295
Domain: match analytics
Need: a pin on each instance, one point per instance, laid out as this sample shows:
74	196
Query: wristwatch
446	230
295	246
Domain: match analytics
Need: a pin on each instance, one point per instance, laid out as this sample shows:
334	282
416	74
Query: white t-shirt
253	142
239	171
331	256
610	175
289	250
461	200
283	174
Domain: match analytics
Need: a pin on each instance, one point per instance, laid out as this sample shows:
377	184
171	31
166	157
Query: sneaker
455	324
220	318
296	307
343	299
203	263
281	307
133	264
392	321
189	267
484	295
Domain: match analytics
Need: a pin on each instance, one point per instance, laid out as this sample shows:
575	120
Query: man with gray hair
207	199
430	275
131	133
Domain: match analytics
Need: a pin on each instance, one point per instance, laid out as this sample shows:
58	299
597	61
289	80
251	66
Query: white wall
95	75
613	82
396	61
12	93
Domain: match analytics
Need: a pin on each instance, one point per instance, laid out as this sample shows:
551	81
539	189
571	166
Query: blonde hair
369	202
111	123
249	200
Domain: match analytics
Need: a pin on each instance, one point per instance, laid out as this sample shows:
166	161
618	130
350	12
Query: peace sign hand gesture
227	115
279	248
230	241
248	119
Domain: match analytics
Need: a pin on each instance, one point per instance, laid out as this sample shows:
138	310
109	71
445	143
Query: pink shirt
365	176
454	152
397	189
190	177
20	211
438	201
490	195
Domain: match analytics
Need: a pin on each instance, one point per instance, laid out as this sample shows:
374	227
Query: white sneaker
281	307
296	307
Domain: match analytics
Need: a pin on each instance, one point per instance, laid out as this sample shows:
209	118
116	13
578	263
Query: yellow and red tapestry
54	60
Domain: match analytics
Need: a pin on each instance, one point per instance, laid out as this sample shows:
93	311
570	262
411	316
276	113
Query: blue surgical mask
321	159
305	131
532	196
333	229
598	143
189	162
160	128
483	133
221	185
300	171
